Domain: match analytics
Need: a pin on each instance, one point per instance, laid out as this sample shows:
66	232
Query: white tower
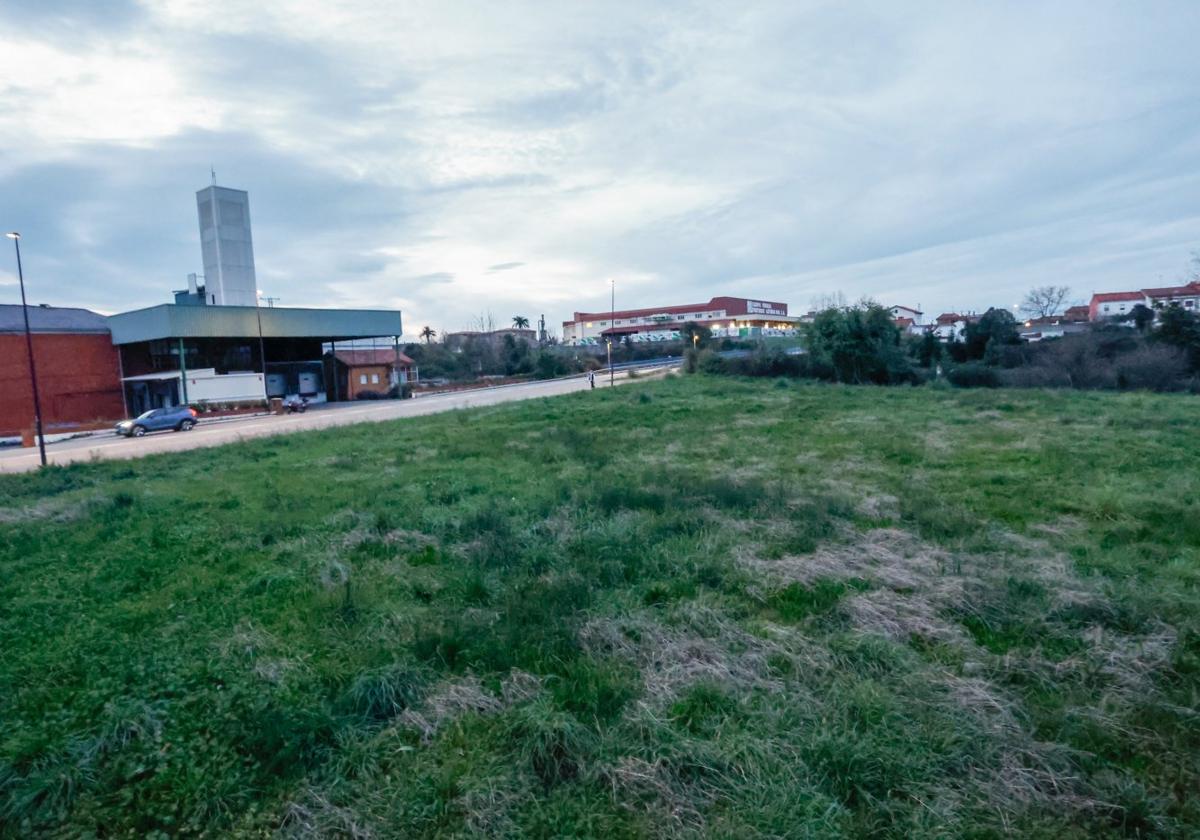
226	247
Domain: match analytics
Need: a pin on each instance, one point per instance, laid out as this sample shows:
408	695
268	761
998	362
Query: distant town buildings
493	338
1105	305
727	317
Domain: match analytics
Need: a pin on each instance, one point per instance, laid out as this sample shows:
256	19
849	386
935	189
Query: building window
362	379
374	378
1189	303
1106	307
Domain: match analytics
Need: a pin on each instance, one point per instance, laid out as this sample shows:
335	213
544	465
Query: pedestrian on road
592	379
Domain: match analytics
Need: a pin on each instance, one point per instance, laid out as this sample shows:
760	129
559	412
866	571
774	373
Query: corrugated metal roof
171	321
51	319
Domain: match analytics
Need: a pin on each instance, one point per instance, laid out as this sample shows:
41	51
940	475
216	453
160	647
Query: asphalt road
18	459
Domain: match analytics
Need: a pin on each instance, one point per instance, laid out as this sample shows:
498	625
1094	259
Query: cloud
399	156
436	277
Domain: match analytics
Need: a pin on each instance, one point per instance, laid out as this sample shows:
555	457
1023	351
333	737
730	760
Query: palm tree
520	322
428	334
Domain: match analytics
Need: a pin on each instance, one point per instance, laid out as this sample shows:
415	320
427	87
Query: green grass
684	607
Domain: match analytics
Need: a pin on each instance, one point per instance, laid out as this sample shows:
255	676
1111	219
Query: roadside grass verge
691	606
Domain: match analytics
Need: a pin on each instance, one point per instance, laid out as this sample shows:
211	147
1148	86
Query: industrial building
214	345
728	317
77	368
172	353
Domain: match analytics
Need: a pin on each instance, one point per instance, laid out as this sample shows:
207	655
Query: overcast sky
450	159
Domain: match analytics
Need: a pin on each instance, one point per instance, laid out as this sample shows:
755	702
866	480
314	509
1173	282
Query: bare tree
832	300
1044	301
484	322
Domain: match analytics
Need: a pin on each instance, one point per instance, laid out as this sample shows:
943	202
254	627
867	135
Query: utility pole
612	311
262	348
37	403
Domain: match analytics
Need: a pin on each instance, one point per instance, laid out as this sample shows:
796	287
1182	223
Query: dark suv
181	418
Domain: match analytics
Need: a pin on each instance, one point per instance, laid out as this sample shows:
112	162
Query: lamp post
612	312
37	403
262	349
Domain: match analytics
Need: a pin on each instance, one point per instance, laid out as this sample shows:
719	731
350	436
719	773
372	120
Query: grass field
688	607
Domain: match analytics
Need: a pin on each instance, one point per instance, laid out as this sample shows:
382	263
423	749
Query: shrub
973	375
1152	368
859	344
550	741
1034	376
380	695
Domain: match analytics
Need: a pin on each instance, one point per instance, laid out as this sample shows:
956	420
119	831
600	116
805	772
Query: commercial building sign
762	307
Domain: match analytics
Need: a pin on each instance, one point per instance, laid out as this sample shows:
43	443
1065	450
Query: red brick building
79	378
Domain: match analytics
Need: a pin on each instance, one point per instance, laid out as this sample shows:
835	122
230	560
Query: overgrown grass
683	607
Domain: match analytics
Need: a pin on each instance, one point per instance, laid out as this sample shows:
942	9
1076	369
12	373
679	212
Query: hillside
697	606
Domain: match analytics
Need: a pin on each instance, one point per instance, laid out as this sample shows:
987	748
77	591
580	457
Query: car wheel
186	426
138	431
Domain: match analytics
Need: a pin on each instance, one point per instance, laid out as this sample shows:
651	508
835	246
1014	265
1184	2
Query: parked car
181	418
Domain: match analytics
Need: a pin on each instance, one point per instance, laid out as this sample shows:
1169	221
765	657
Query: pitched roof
51	319
1192	288
375	356
950	318
904	322
1103	297
1076	313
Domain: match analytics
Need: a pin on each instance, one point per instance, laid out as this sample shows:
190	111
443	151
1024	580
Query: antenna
213	170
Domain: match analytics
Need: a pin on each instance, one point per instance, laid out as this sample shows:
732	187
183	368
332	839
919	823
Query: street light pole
37	403
262	349
612	313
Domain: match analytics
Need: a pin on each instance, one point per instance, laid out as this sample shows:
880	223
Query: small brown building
78	374
360	374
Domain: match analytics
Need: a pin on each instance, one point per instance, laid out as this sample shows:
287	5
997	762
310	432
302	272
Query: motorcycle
297	405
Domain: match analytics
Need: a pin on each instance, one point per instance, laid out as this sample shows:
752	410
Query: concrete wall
78	380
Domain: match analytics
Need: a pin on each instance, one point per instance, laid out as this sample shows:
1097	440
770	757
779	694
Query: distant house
1187	296
910	320
374	372
1053	326
1106	305
951	326
915	316
494	338
1076	314
1113	304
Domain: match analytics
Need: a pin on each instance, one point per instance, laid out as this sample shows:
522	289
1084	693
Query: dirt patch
898	617
452	699
708	647
887	556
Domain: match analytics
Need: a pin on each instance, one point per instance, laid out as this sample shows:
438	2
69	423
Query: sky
458	160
